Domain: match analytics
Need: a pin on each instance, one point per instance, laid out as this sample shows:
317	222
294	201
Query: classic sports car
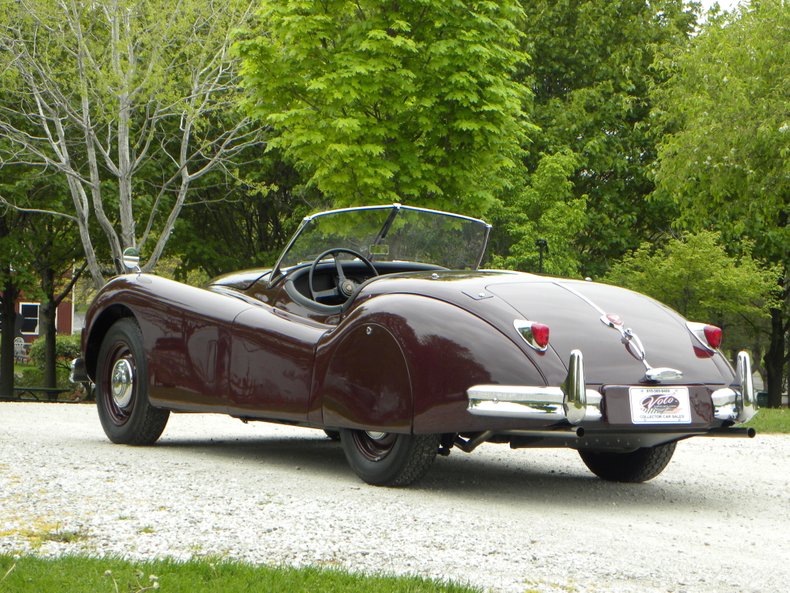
377	326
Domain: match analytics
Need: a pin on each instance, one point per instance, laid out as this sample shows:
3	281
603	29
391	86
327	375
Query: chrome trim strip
659	374
633	344
576	293
517	401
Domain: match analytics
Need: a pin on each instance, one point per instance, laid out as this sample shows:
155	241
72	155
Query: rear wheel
389	459
638	466
122	388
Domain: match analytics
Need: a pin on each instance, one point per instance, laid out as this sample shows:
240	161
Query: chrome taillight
708	336
535	334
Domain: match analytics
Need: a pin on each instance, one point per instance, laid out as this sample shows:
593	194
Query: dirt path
716	521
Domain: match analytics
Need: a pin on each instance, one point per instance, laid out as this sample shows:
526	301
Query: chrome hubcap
122	382
376	436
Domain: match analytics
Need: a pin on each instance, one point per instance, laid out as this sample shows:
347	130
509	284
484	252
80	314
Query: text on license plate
660	405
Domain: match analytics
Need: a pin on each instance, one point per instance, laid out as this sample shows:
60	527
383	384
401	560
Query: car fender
403	363
185	333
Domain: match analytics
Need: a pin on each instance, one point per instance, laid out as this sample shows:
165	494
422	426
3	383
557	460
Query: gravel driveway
717	520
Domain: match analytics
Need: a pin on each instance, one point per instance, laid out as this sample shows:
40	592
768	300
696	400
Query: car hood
572	310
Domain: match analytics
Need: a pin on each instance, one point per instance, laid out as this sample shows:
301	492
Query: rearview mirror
131	259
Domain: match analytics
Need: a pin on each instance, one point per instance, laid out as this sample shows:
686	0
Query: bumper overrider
573	402
78	373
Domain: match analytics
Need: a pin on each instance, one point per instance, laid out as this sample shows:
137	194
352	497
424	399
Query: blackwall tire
389	459
126	415
638	466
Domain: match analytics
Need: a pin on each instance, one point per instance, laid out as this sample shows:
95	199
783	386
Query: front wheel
389	459
638	466
122	388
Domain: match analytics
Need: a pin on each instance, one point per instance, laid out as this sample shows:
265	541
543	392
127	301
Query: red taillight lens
535	334
541	334
708	338
713	335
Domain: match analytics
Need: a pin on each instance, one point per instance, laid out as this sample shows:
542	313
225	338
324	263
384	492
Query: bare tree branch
97	87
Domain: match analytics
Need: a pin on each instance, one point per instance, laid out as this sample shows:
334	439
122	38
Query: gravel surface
717	520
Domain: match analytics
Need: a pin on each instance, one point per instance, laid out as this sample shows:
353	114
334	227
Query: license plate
660	405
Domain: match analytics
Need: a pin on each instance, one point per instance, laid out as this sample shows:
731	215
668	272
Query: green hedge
66	349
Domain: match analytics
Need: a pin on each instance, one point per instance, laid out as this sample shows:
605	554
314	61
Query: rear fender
403	363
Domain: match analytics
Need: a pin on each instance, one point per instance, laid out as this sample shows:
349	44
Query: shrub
66	349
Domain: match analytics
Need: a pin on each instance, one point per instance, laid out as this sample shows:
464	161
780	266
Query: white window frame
37	318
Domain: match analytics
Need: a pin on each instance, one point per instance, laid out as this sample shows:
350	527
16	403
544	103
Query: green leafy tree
591	71
404	101
725	160
696	276
545	209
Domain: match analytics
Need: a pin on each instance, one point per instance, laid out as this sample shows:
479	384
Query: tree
402	101
43	250
591	71
696	276
544	209
249	228
131	101
725	160
14	277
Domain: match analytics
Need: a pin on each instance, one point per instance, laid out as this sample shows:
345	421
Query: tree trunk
775	359
8	319
47	323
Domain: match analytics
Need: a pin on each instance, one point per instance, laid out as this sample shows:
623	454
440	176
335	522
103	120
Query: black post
542	245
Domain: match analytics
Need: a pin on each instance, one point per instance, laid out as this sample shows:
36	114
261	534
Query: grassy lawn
78	574
771	420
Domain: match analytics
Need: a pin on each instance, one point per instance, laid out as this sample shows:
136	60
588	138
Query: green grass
776	420
79	574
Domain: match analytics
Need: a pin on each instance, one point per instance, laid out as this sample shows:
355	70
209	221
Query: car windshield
391	233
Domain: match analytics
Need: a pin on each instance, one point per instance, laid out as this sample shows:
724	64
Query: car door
271	363
189	332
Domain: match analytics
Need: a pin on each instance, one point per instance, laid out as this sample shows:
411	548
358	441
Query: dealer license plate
660	405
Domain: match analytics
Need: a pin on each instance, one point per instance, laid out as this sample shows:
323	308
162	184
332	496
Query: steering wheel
345	287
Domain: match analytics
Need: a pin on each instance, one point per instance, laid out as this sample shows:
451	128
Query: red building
28	325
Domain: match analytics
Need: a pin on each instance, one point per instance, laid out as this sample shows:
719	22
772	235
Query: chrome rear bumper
575	403
572	401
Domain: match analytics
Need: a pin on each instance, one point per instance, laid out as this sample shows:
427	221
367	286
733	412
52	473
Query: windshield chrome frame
277	274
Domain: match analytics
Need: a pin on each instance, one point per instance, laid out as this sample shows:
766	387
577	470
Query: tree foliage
726	106
404	101
250	226
725	159
544	209
591	71
695	275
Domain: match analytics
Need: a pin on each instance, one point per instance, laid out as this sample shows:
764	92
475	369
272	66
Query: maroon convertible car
377	326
